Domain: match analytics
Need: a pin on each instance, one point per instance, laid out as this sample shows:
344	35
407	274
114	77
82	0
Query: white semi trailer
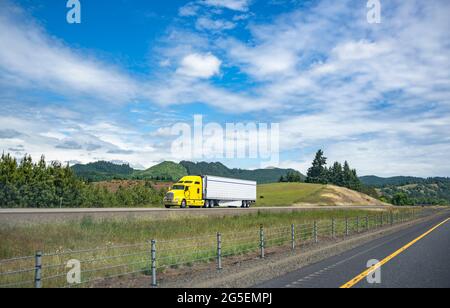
211	191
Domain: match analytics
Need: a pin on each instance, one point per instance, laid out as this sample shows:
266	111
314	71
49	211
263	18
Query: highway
416	257
19	216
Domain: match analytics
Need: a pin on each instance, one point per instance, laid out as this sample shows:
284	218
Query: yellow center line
369	271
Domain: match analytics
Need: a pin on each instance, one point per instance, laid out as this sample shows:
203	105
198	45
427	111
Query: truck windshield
178	187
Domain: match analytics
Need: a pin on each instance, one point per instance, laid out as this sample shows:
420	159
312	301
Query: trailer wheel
167	206
210	204
183	204
248	204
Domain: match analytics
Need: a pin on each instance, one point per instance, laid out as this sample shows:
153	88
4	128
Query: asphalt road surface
416	257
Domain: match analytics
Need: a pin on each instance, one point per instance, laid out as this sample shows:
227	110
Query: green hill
262	176
170	171
376	181
303	194
166	171
411	190
102	171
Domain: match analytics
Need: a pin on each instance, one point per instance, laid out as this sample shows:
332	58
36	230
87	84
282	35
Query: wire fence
103	266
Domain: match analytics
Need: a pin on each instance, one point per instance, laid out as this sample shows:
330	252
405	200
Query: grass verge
120	248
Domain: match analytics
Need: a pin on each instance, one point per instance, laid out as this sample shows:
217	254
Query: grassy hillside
102	171
285	194
262	176
427	193
166	171
412	190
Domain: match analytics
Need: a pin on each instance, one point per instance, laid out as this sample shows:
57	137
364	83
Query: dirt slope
339	196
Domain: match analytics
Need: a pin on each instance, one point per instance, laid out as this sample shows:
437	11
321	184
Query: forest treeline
25	184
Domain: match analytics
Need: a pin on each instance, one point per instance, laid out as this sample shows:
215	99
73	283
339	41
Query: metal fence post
346	227
357	224
392	218
333	228
261	241
219	251
381	220
154	283
293	236
367	223
316	239
38	270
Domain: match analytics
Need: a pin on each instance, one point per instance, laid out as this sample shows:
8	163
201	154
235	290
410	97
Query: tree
336	174
317	174
41	185
401	199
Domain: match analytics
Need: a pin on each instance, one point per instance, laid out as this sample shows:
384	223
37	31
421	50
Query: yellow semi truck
211	191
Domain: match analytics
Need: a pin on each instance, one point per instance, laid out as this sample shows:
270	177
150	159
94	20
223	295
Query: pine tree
347	175
317	174
337	174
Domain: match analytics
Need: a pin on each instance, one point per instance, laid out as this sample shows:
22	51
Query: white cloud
264	61
40	61
376	95
204	23
361	50
200	65
188	10
236	5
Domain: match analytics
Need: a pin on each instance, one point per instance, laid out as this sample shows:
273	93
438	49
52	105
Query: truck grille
169	197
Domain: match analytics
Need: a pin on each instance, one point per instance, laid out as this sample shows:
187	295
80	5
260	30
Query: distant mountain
102	171
376	181
166	171
262	176
170	171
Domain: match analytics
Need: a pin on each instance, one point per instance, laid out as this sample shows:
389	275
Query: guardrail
148	261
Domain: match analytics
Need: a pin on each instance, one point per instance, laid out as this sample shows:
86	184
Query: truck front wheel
183	204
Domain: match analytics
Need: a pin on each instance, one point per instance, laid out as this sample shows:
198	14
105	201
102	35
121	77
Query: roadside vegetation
26	239
113	252
26	184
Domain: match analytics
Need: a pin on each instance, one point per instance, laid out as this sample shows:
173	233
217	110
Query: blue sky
110	88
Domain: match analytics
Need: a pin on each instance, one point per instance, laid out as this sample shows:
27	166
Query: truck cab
187	192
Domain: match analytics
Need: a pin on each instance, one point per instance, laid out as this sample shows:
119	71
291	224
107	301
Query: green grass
181	242
285	194
25	240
